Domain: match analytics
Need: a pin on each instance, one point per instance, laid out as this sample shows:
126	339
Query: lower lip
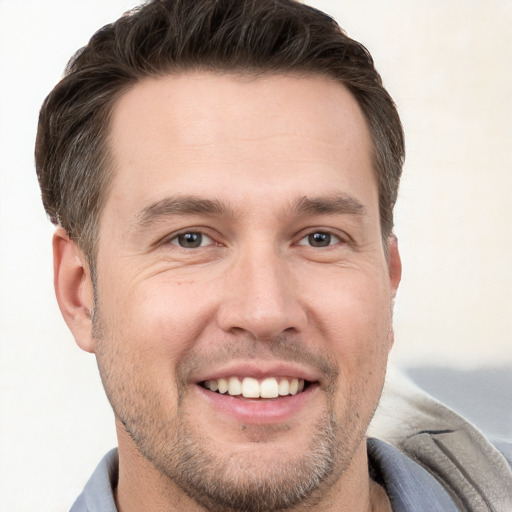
259	411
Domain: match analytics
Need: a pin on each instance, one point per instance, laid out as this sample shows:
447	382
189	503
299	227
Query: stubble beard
248	484
184	454
244	484
191	461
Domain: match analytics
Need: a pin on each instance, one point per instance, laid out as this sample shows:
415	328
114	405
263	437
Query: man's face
240	246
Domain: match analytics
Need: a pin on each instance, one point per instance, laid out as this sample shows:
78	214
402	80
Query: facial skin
241	238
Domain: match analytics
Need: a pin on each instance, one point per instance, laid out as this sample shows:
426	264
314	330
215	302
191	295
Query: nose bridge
260	297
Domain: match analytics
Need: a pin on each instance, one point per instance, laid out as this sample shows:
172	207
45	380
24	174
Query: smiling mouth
249	387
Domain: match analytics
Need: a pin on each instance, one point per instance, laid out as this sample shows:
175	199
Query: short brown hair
172	36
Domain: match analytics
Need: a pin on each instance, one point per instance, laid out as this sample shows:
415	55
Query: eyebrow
181	205
193	205
330	205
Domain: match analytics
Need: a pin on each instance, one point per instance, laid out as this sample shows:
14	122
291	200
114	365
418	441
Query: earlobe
73	288
394	264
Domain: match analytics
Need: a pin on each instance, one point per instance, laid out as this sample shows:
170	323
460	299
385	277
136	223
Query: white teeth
234	386
269	388
223	385
249	387
294	386
284	387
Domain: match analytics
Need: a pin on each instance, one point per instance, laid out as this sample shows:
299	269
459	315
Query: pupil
190	240
320	239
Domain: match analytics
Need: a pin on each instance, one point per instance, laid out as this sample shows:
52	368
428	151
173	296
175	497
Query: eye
319	239
191	240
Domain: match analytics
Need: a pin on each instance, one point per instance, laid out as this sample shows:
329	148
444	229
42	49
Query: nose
260	296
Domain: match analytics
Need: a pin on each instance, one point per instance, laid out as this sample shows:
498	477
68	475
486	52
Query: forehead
201	132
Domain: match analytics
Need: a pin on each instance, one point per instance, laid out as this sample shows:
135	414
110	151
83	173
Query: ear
395	274
73	288
394	264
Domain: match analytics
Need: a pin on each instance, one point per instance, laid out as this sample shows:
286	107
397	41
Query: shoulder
98	493
409	486
460	458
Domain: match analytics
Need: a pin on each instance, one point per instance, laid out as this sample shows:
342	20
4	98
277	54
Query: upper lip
260	370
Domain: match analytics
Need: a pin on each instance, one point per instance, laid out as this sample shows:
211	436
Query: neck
379	501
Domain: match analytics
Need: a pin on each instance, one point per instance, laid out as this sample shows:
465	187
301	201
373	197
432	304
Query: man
223	176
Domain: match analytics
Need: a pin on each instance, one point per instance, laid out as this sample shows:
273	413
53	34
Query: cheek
352	319
156	319
352	304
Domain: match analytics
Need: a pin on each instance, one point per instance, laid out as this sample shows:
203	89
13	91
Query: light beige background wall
446	63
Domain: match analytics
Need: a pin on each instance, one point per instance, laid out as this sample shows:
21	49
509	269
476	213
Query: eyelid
341	236
171	238
205	238
335	239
